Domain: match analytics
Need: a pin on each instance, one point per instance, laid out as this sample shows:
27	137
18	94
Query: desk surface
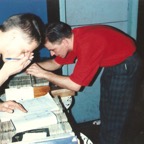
60	131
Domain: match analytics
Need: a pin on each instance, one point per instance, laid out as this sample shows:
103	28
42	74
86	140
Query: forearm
50	65
3	77
62	81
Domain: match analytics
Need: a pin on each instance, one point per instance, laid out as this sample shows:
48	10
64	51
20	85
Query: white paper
40	113
34	121
18	94
33	136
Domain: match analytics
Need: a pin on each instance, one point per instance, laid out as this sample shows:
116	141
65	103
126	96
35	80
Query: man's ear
14	34
65	41
11	36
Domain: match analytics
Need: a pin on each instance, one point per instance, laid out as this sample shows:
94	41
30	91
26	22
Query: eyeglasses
37	29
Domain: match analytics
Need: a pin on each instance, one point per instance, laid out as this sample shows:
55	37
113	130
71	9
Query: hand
11	67
36	71
10	106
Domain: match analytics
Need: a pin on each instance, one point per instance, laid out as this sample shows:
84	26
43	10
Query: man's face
57	49
18	47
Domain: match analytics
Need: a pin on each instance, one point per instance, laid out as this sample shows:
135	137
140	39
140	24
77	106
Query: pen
15	59
12	58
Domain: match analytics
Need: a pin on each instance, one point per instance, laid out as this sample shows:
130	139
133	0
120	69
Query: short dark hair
56	31
29	23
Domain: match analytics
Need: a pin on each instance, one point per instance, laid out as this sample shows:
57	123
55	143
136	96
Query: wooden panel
41	90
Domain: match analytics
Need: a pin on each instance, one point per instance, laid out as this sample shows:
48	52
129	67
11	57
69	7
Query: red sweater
94	47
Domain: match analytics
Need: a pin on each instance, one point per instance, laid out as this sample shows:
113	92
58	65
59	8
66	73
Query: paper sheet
34	121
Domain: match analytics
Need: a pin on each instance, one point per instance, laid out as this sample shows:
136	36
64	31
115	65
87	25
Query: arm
61	81
50	65
3	77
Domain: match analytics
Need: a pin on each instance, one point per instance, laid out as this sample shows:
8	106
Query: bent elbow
76	88
73	86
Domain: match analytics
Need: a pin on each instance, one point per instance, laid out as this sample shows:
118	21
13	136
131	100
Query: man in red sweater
92	47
